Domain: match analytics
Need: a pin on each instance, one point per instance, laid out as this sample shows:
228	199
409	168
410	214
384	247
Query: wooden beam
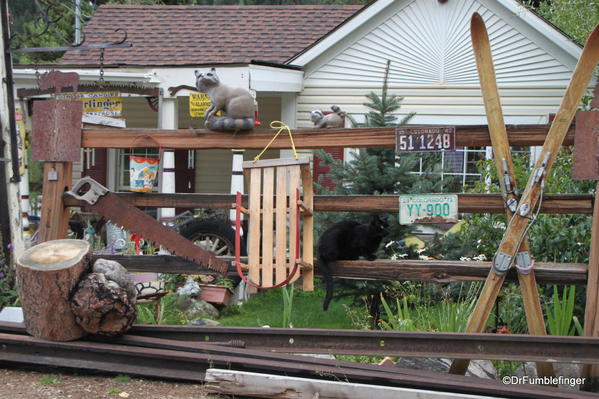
467	203
472	136
436	271
272	386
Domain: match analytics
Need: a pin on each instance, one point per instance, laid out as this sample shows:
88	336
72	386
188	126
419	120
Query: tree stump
102	306
46	275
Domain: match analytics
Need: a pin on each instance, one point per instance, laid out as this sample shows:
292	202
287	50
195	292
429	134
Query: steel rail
184	365
509	347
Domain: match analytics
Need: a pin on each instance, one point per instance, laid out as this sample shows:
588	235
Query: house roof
184	35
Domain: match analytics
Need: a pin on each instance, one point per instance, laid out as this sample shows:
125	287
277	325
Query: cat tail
227	124
328	280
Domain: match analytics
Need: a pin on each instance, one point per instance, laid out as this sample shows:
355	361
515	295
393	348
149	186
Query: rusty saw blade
107	204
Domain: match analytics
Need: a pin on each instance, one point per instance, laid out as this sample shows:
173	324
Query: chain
101	81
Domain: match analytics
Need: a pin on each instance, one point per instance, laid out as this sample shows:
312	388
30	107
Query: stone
204	322
114	271
477	368
570	370
194	309
12	314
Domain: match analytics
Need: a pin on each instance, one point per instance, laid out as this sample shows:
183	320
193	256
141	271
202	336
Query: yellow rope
281	126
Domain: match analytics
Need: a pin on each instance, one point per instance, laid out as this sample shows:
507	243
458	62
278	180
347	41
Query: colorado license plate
424	138
428	208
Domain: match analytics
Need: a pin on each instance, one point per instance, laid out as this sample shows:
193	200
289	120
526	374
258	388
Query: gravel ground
18	383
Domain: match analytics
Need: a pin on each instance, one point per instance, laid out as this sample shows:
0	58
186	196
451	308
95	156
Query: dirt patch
18	383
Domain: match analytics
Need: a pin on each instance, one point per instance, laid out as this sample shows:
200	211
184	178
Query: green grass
122	378
49	380
267	309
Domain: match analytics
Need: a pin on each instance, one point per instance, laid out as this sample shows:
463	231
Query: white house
300	58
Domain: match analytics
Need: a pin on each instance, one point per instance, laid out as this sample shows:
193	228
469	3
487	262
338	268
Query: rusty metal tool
107	204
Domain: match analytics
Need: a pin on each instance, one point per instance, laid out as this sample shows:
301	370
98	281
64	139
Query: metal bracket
523	262
539	172
502	262
512	205
524	209
94	190
506	177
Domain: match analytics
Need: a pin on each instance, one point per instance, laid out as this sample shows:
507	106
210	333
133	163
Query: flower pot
216	294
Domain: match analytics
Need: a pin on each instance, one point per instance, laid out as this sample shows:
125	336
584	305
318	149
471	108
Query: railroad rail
511	347
157	357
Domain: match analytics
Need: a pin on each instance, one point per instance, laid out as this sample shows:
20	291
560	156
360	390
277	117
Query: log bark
46	275
103	307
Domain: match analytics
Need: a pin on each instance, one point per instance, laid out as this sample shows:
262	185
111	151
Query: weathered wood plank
281	225
272	386
472	136
417	270
268	187
468	203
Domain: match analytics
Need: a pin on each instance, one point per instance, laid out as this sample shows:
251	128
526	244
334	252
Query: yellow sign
106	103
198	104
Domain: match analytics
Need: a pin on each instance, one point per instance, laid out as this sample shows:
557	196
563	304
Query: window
461	163
124	167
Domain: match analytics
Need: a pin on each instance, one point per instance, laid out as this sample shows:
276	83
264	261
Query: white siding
433	68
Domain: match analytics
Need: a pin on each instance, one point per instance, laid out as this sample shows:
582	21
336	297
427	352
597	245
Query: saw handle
88	190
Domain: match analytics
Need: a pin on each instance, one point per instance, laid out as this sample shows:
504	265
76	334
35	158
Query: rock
194	309
204	322
114	271
477	368
569	370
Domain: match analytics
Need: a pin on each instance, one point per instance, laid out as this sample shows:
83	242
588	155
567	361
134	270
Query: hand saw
107	204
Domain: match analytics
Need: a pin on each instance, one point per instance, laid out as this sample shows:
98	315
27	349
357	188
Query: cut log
46	275
102	306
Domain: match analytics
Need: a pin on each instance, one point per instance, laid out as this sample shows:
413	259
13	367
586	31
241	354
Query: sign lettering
424	139
428	208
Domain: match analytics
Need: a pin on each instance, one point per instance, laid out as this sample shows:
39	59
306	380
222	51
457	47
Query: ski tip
477	26
593	39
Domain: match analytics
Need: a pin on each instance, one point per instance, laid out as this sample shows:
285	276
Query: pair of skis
514	245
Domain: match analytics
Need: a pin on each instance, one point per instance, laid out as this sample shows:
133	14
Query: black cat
348	240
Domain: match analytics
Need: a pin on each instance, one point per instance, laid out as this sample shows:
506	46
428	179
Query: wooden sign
428	208
103	103
424	139
56	126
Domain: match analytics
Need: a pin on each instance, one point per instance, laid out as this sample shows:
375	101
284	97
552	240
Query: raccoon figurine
332	120
236	103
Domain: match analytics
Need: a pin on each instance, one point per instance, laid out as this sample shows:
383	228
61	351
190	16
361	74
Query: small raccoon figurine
348	240
332	120
236	103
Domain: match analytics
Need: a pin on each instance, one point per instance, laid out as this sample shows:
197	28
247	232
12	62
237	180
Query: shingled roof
183	35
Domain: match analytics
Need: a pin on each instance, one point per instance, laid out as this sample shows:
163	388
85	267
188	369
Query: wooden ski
526	208
507	182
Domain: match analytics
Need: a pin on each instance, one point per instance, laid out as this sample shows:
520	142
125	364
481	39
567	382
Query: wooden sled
276	254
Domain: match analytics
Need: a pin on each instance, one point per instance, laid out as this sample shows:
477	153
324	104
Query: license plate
428	208
424	139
